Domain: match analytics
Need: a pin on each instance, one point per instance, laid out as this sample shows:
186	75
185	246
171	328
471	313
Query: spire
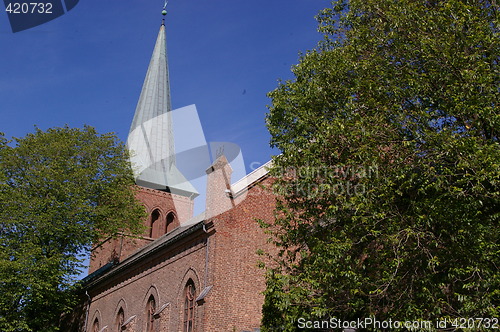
151	137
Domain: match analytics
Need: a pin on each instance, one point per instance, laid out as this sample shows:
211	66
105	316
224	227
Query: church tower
166	194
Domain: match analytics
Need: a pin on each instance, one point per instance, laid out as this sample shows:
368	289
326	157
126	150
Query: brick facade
217	251
238	281
159	205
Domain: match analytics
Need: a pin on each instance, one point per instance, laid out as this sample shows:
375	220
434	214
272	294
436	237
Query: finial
164	11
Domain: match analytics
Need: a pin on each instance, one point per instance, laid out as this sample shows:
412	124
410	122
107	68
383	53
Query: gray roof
151	137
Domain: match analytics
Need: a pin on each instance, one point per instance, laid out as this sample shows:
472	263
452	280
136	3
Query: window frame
95	325
170	221
154	220
189	306
120	319
150	314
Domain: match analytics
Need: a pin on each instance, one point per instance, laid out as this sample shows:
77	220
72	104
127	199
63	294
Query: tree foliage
390	166
60	191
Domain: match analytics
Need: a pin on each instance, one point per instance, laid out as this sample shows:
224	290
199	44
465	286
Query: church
186	273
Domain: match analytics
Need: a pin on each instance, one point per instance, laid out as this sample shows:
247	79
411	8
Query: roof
250	179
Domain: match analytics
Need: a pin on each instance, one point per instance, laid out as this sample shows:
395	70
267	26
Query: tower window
155	217
170	222
189	294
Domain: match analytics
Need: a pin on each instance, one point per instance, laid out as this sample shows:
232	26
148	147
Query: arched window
95	326
120	319
189	295
170	222
150	314
155	216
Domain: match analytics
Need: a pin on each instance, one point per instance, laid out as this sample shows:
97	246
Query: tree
389	176
60	191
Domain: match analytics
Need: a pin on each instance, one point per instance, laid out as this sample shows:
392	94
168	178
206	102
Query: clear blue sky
88	66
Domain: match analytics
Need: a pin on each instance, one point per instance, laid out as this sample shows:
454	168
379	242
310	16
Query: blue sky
88	66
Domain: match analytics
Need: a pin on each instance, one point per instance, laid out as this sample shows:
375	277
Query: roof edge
251	178
116	268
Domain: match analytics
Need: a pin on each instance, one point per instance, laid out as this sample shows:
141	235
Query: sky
88	66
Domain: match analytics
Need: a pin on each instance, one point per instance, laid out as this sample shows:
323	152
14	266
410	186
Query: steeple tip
164	12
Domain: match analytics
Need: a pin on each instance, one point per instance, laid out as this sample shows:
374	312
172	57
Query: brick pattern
218	198
162	276
236	298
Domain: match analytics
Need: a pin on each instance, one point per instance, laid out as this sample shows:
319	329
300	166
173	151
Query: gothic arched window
95	326
189	305
155	216
120	319
170	222
150	314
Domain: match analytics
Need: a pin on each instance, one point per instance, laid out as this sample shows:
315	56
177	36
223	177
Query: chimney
219	195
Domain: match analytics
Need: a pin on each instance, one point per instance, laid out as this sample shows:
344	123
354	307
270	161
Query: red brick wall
154	199
236	298
115	249
164	276
218	185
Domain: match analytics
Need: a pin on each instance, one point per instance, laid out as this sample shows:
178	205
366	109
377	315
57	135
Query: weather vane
164	11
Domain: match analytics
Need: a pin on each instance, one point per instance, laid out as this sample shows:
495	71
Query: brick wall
218	188
163	276
155	201
236	298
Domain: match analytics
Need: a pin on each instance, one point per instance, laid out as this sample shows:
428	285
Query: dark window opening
170	225
150	313
120	319
155	216
189	305
95	326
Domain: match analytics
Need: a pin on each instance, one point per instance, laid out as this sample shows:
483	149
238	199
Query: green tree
60	191
390	168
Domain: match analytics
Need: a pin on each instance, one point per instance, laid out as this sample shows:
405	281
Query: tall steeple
151	136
